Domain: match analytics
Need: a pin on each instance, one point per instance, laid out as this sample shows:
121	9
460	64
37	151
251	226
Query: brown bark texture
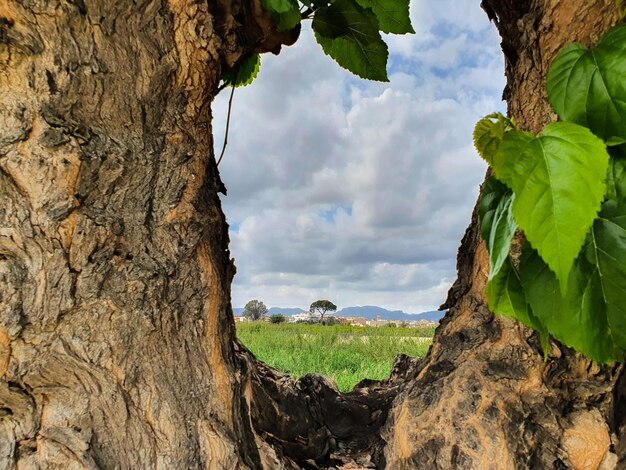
117	343
116	332
484	397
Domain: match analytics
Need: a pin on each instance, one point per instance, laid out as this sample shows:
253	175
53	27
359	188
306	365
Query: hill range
367	311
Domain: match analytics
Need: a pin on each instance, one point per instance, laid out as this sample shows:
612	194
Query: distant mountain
432	315
273	310
371	312
368	311
285	311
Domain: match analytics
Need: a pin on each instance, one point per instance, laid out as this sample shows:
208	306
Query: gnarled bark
115	322
485	398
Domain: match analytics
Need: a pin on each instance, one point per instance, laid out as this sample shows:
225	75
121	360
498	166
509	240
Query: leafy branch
566	190
349	31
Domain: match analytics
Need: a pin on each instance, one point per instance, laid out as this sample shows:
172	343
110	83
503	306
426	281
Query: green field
346	354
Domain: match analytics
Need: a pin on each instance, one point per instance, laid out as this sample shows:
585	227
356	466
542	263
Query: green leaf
488	135
605	257
277	6
286	13
615	141
393	15
588	87
506	297
330	23
288	20
541	288
244	72
616	179
591	318
361	49
580	319
558	180
496	222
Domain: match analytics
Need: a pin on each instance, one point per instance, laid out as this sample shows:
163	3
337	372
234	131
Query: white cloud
356	191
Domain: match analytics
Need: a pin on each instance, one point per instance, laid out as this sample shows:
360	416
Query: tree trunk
117	345
484	398
116	332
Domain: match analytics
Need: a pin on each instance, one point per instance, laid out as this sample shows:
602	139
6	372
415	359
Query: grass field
344	353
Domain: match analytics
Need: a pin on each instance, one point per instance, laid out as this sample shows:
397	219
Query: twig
230	107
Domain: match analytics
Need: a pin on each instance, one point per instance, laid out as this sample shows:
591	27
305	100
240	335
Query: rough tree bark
117	345
484	397
116	333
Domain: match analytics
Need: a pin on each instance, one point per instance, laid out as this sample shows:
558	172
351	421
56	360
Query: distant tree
391	325
278	318
322	307
255	310
404	324
330	321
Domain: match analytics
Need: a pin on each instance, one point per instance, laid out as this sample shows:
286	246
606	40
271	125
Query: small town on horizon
353	316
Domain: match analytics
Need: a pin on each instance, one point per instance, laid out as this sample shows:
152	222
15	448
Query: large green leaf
558	180
588	86
506	297
355	44
496	222
488	134
330	23
606	256
244	72
580	320
591	318
393	15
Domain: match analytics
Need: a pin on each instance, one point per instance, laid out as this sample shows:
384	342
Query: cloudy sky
354	191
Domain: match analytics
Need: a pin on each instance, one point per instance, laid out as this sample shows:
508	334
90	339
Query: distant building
240	318
353	321
304	316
